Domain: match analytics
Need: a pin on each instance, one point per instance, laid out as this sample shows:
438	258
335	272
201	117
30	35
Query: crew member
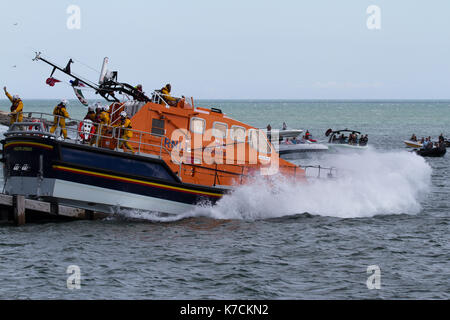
125	134
60	114
16	107
91	115
98	110
171	101
105	116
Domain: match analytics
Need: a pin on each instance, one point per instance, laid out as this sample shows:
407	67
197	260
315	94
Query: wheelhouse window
220	130
258	141
198	125
237	134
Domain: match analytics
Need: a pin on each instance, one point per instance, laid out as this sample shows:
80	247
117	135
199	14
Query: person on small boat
307	135
284	126
351	139
413	138
269	132
427	145
60	113
139	88
16	107
171	101
364	140
441	138
125	132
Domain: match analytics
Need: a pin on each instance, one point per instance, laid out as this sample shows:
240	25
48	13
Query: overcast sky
235	49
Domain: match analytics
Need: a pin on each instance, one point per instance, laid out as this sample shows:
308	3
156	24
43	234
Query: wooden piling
19	210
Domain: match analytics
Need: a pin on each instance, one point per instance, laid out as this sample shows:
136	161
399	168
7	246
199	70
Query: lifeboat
184	155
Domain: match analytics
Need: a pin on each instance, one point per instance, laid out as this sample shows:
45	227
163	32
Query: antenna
104	71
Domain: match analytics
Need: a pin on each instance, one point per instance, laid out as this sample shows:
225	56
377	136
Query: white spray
369	183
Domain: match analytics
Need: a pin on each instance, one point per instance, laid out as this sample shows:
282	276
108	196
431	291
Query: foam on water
369	183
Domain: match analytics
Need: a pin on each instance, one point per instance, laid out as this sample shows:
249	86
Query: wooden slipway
19	209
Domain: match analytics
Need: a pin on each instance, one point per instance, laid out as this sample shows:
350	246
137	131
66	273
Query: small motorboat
413	144
434	152
290	146
338	141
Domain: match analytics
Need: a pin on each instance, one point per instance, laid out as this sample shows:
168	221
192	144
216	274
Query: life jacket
15	104
104	118
60	111
90	116
126	124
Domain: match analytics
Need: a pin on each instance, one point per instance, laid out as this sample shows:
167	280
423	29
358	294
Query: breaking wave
368	184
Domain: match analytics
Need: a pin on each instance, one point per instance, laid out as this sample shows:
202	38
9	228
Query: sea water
387	207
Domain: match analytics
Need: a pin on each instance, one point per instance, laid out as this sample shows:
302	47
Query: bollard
19	210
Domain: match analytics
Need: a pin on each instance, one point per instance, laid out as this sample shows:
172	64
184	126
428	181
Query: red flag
52	81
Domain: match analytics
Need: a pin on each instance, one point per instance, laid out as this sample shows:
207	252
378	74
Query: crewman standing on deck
91	114
105	116
16	107
125	132
60	114
171	101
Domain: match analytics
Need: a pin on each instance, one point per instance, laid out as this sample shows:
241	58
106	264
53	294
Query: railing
159	98
331	172
39	124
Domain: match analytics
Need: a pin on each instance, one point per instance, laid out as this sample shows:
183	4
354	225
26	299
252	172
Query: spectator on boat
16	107
269	132
441	138
342	138
91	115
165	92
125	132
428	144
307	135
139	88
284	126
413	138
60	113
422	141
362	141
351	138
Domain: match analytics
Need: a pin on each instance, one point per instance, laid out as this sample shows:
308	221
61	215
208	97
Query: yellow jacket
166	95
126	124
17	106
60	113
104	118
90	116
